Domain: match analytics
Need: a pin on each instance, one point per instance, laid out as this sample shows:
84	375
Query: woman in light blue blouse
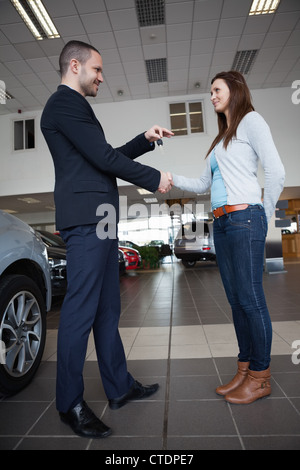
240	225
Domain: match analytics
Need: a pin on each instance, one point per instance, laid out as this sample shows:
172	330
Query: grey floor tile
200	418
267	416
204	443
272	442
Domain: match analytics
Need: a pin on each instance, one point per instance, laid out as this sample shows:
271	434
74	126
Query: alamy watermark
106	227
296	93
296	354
2	352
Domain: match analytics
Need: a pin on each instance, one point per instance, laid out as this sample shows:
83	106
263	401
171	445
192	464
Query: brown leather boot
237	380
256	385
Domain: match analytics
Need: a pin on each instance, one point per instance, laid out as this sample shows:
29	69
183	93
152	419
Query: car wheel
189	264
22	332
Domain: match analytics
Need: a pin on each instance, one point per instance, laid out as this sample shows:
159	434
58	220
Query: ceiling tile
285	21
200	60
227	44
9	53
30	50
113	69
68	25
103	41
17	32
202	46
19	66
40	65
231	27
181	62
153	34
131	53
179	12
155	51
128	37
119	4
135	68
58	8
89	6
236	8
96	22
177	49
208	10
123	19
109	56
205	29
258	24
251	41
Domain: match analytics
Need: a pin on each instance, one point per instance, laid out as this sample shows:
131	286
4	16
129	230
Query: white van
195	242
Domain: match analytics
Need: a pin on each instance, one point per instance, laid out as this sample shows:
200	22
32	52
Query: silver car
25	297
195	242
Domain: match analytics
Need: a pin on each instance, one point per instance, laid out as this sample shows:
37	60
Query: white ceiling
199	38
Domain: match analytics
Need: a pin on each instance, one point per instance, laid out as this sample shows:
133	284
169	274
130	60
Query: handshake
166	182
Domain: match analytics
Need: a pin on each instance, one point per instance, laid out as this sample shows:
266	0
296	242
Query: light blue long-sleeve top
238	165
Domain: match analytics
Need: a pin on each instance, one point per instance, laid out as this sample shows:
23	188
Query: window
24	135
186	118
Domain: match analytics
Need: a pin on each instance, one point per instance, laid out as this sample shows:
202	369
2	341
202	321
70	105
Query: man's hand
157	132
166	182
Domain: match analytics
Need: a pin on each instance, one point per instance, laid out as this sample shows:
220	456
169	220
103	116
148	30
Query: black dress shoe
137	392
84	423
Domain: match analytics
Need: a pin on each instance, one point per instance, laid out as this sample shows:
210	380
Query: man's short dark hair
74	50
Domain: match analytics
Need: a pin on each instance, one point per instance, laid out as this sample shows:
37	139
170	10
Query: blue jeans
239	241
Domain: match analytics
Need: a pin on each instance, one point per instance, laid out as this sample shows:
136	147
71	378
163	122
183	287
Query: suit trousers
92	302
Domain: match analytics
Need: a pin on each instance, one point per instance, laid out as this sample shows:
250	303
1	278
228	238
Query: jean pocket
240	218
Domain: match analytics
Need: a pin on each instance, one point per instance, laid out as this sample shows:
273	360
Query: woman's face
220	96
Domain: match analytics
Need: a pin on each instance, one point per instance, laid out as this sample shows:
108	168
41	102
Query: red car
132	257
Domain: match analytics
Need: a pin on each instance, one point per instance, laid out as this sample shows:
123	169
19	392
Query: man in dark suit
86	168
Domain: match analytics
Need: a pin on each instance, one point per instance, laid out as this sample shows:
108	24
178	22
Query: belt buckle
218	209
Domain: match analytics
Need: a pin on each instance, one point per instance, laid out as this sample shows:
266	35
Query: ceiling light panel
263	7
150	12
36	18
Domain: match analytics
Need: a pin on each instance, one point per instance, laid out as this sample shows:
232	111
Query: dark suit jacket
86	166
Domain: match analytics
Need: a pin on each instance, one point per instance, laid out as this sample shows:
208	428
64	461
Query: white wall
32	171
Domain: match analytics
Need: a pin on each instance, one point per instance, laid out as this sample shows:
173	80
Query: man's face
90	75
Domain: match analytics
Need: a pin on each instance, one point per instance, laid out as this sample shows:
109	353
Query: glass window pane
18	135
178	118
29	134
196	117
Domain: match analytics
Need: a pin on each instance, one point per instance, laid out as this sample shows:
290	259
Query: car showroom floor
177	330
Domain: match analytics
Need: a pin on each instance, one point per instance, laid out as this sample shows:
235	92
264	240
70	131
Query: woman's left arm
261	140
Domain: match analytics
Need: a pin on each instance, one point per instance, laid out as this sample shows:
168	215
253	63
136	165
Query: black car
56	250
122	262
57	254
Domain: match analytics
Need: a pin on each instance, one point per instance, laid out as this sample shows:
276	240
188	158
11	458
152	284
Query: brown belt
227	209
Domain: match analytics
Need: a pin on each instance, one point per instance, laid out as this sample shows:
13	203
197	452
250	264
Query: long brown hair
239	105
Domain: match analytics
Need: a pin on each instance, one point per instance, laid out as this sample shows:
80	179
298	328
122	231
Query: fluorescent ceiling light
4	95
36	18
263	7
